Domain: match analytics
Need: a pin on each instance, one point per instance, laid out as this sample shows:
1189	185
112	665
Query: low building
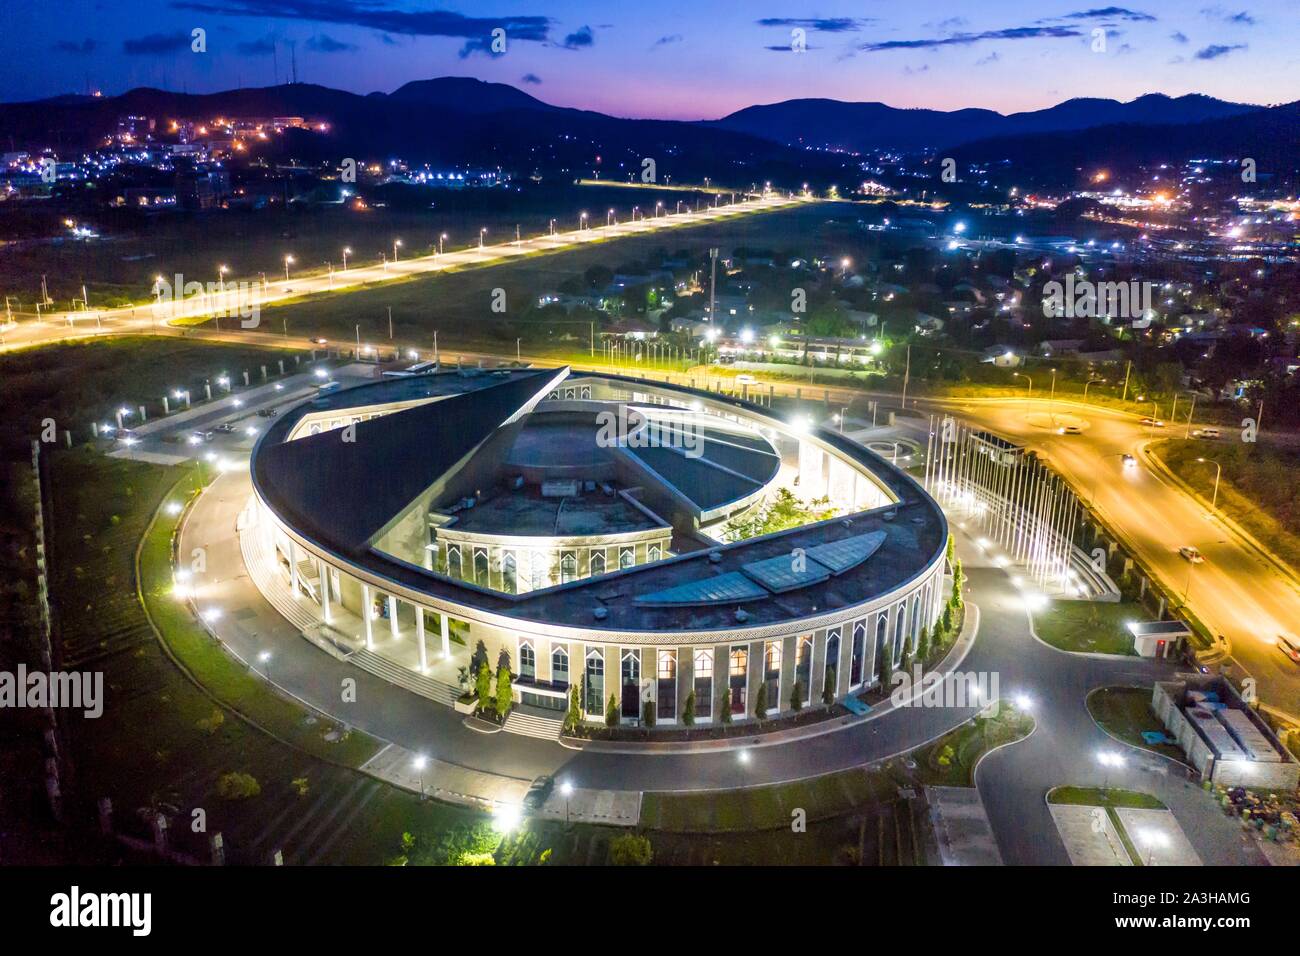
1227	742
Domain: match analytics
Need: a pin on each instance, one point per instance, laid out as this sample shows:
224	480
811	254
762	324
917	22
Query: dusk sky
677	59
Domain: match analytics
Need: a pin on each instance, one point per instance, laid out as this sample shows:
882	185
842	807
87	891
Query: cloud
1107	13
481	44
262	47
966	39
986	60
532	78
947	25
324	43
156	44
788	48
909	71
819	24
373	15
579	39
67	46
1242	18
1178	36
665	40
1216	50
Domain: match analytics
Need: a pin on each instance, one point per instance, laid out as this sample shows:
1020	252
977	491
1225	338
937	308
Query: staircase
531	724
266	574
404	677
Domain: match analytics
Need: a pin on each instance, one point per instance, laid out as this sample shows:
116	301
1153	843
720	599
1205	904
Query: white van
1207	432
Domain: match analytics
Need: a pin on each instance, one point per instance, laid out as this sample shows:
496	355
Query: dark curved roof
345	491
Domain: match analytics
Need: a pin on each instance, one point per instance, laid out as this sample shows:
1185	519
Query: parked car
199	437
320	341
1153	422
266	412
1191	553
1069	430
1207	432
225	428
1129	461
537	793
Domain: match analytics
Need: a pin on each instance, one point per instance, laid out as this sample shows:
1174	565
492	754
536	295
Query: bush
484	686
237	786
923	644
630	849
760	702
688	710
505	693
796	696
828	687
887	667
210	725
573	716
724	711
648	714
611	712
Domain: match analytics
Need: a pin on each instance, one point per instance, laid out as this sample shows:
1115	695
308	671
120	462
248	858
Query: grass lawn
950	761
1125	712
1109	797
1091	626
77	383
457	304
1257	488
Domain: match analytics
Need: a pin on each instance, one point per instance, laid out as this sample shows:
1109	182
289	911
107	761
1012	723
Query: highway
229	300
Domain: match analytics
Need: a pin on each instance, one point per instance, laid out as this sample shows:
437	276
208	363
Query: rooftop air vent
741	615
600	613
715	557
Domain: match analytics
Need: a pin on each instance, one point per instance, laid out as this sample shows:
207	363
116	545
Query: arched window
568	567
481	567
454	568
859	654
832	659
803	666
527	661
537	562
703	684
916	618
560	666
882	634
626	558
631	687
509	574
738	678
595	678
654	553
900	615
597	563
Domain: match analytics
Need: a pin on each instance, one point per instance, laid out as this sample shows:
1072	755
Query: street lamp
288	261
441	238
397	244
481	233
1108	759
221	277
1028	380
1091	381
609	218
347	251
1218	470
566	789
582	221
419	763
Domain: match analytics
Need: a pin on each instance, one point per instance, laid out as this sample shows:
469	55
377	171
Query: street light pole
1218	470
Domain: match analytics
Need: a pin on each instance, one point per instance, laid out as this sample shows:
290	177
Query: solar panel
787	572
722	589
846	553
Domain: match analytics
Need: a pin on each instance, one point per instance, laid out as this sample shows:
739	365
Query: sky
669	59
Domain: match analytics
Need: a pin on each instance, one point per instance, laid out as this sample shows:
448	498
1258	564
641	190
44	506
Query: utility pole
1127	369
713	278
436	363
907	372
390	323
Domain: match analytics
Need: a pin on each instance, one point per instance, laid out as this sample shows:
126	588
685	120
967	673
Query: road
227	301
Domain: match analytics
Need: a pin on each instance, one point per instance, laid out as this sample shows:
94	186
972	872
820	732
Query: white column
392	616
419	637
293	568
446	635
324	592
367	608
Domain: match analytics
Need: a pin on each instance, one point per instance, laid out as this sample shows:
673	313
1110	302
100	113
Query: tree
611	712
828	687
724	712
630	849
505	693
688	710
923	644
760	702
947	621
951	553
958	578
648	713
484	685
237	786
573	717
796	695
887	667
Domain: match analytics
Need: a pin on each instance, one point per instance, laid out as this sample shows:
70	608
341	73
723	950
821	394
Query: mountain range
463	120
